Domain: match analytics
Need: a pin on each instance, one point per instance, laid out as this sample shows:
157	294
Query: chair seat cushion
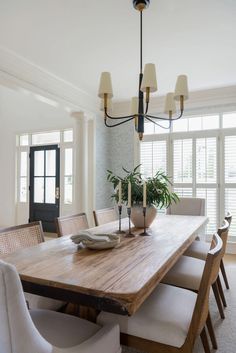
37	302
186	273
164	317
198	249
62	330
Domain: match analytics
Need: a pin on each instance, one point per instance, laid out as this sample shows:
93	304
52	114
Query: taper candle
120	191
129	195
144	194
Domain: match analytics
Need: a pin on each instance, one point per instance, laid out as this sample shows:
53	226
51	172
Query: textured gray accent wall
103	189
114	149
121	146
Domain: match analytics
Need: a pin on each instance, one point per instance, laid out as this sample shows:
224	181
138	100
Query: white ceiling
77	39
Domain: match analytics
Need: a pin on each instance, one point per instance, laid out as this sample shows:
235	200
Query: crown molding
215	97
20	74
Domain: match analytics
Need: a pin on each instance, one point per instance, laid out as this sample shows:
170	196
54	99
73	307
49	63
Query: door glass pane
39	163
23	164
23	189
68	190
50	189
38	190
68	161
50	163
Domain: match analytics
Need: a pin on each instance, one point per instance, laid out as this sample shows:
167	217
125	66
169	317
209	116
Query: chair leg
218	300
211	332
221	292
205	342
222	267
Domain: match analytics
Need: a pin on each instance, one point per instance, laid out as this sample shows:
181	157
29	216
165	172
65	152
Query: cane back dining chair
72	224
45	331
21	237
104	216
171	318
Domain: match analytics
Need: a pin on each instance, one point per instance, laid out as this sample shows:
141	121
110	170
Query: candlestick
144	194
129	234
145	233
119	193
119	231
129	195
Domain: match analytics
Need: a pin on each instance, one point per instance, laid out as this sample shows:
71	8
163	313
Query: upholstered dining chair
21	237
104	216
43	331
71	224
171	318
187	272
199	249
188	206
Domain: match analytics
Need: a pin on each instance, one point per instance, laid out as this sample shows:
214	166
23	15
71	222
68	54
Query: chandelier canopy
147	85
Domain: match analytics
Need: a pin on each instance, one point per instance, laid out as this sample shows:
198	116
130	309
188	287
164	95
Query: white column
80	162
84	162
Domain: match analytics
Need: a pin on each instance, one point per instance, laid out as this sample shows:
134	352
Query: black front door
44	185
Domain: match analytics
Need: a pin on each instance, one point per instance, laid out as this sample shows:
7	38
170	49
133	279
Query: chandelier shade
149	80
147	84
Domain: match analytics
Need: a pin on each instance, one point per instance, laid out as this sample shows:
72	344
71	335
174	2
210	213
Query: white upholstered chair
21	237
188	206
42	331
171	318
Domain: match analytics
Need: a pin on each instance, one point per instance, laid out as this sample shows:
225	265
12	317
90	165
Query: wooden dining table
116	280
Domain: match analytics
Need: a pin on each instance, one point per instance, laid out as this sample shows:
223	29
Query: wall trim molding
18	73
215	97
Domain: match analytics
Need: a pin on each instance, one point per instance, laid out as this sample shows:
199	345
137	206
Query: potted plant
158	193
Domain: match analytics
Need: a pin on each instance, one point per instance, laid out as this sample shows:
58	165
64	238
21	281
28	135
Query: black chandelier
147	85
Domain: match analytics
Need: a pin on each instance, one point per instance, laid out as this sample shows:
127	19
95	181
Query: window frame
220	134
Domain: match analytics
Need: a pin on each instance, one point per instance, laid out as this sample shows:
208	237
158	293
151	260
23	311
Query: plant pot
137	217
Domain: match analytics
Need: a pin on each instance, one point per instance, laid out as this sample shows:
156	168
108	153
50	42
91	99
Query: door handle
57	193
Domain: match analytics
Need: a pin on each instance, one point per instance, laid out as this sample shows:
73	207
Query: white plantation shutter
230	180
230	205
210	195
202	163
184	192
230	159
206	163
182	154
153	157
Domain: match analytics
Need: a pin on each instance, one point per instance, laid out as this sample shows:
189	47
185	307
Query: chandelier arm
166	119
147	106
163	127
118	117
117	124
